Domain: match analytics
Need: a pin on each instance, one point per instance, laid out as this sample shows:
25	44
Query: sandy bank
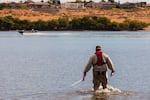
147	29
114	15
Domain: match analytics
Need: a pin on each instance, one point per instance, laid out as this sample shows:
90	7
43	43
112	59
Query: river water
46	66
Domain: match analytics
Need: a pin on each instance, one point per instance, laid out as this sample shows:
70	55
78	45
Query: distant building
106	5
38	5
141	4
147	6
128	5
72	5
54	3
12	4
101	5
90	4
28	1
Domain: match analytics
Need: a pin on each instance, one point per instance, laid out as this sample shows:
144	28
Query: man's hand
84	75
112	73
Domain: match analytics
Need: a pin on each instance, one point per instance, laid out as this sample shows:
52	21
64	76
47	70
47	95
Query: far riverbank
117	15
63	24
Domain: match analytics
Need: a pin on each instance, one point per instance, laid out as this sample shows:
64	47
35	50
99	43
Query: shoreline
147	29
144	30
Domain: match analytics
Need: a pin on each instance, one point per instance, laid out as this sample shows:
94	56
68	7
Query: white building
72	5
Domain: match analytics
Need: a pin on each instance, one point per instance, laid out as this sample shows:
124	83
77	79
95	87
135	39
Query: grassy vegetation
84	23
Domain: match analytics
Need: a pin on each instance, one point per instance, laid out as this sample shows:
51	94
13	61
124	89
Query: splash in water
108	90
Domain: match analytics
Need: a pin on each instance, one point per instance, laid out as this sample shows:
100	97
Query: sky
62	1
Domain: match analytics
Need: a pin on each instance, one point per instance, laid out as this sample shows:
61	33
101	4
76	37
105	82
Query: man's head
98	48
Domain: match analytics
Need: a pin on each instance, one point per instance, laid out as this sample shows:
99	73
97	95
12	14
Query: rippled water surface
46	65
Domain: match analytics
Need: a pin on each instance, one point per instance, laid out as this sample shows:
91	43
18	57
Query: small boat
32	32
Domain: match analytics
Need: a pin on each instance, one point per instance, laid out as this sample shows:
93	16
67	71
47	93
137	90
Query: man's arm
87	67
110	65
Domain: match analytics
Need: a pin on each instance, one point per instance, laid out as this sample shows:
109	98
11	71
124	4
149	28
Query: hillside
114	15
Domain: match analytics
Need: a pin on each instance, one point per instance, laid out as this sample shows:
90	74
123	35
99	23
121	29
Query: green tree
23	6
112	1
63	23
53	25
76	23
103	1
92	23
85	23
2	6
40	25
104	23
115	26
6	23
134	25
78	1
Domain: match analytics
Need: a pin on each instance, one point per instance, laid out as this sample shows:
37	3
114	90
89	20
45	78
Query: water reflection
103	96
90	95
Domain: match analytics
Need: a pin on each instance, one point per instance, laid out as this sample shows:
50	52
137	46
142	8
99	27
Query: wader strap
103	60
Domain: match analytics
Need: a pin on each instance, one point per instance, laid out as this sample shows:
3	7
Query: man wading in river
100	62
